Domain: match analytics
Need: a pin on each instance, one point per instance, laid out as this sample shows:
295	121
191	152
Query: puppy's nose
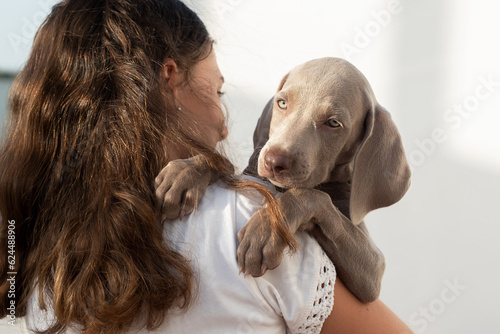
277	162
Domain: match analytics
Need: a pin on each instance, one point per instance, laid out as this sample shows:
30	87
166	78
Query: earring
179	108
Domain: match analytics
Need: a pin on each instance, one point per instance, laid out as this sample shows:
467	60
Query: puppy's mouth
285	183
285	180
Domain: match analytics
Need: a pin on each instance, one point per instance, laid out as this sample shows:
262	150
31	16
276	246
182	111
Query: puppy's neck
340	194
341	173
338	187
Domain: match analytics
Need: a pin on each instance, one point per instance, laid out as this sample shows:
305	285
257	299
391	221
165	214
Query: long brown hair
89	128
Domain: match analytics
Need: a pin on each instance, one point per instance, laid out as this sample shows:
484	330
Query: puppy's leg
181	184
358	261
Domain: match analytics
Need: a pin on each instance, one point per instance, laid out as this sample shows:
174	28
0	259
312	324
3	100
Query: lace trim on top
323	303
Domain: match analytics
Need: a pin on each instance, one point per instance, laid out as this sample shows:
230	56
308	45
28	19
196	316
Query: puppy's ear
381	174
260	137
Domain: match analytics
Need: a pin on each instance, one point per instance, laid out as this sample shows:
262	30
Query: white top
296	297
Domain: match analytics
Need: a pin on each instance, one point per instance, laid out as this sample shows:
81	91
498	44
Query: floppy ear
261	133
260	137
381	174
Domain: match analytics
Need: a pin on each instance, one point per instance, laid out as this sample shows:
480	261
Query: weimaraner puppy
337	155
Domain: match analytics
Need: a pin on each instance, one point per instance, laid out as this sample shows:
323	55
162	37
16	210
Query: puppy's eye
333	123
282	104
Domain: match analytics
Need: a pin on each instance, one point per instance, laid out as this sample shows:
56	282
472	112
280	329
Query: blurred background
434	64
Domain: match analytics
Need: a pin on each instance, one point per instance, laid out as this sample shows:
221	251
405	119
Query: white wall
434	66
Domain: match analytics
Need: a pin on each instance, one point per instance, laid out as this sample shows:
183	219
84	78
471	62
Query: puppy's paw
180	186
260	248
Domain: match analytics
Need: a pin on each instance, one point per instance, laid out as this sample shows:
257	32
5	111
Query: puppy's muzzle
277	163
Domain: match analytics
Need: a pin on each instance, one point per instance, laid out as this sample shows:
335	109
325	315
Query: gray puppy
337	155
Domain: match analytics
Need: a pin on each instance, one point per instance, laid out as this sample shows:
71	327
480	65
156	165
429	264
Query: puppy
337	155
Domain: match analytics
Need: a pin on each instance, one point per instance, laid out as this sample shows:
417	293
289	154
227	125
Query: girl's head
112	90
198	100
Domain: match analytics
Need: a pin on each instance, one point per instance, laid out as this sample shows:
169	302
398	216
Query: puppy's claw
242	270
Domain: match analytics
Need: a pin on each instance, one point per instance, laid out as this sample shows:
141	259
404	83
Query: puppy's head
317	124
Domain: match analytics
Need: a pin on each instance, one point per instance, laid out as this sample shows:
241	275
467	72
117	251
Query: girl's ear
172	76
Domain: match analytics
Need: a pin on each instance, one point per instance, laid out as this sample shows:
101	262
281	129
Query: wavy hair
89	128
